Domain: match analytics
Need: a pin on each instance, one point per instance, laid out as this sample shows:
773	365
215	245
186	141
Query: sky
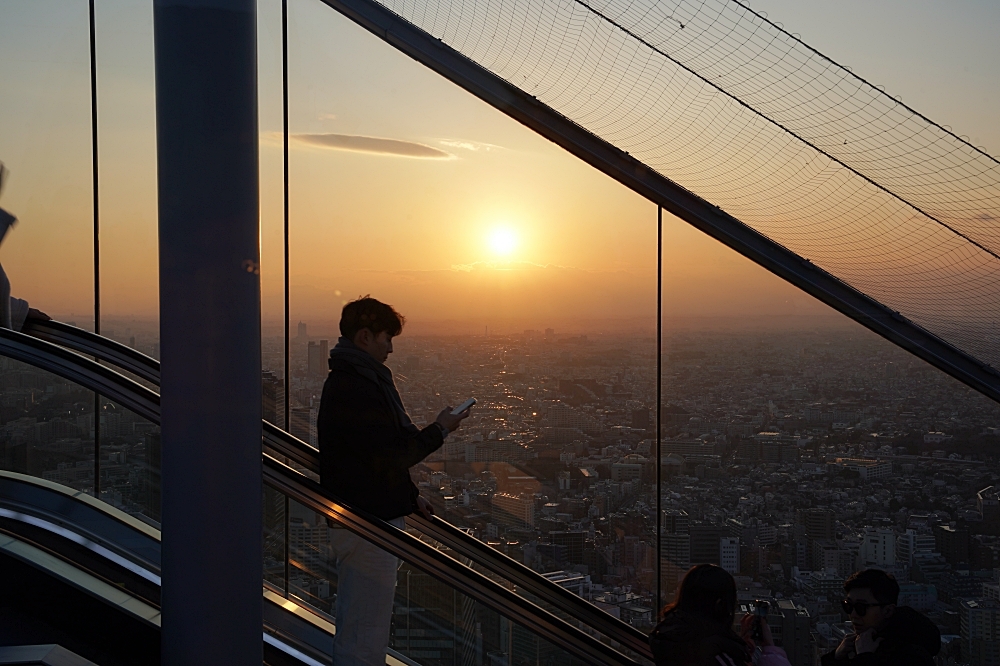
406	187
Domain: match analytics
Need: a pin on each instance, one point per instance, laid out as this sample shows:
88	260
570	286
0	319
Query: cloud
474	146
373	145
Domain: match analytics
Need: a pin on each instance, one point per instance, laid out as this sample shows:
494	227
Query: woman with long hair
697	628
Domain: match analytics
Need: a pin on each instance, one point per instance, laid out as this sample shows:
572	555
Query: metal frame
635	175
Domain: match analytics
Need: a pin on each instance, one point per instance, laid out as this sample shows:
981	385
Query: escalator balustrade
456	599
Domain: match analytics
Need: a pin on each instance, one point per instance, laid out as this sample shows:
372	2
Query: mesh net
727	104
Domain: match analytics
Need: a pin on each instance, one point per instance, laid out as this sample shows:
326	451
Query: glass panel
799	447
527	280
432	623
271	212
48	426
130	461
274	537
127	135
46	145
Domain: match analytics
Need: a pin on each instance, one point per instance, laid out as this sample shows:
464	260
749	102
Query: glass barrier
48	431
432	623
798	447
47	426
528	282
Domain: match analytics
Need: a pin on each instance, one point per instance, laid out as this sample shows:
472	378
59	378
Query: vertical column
659	408
97	235
206	114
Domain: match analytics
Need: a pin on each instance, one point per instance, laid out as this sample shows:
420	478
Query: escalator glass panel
433	623
48	426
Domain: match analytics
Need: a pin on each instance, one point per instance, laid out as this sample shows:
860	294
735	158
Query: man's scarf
369	368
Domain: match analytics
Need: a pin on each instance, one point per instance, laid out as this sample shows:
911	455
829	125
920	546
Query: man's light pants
366	586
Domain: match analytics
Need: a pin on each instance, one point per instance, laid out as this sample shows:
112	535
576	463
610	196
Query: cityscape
790	458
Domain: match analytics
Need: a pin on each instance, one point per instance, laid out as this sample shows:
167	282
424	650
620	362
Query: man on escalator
367	444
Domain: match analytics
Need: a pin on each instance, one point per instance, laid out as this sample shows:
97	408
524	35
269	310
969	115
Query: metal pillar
206	116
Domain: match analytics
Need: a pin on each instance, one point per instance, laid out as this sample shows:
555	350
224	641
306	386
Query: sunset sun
502	241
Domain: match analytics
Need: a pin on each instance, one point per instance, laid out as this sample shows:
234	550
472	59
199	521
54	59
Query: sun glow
502	241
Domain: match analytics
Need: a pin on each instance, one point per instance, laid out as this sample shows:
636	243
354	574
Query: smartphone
464	406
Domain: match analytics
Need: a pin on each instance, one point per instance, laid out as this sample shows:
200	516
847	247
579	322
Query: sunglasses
859	607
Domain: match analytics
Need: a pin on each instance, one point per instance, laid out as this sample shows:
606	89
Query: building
878	549
705	543
622	471
574	543
831	555
273	398
819	523
577	583
910	543
318	355
822	584
302	424
918	596
777	448
513	511
980	631
868	470
729	554
988	503
675	521
790	627
952	543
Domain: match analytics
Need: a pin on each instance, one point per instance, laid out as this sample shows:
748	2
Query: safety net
724	102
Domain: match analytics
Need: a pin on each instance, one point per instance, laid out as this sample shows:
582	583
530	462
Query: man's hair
376	316
884	587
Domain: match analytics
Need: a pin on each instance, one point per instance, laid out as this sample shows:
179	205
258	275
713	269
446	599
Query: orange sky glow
402	186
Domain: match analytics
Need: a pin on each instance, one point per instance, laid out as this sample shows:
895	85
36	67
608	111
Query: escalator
458	600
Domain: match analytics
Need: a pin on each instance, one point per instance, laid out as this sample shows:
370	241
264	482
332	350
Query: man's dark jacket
365	453
908	639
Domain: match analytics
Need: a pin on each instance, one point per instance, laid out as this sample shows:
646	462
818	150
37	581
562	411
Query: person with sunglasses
884	634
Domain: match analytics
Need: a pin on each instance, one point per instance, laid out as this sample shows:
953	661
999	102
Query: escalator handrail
464	544
439	565
531	581
53	358
91	344
81	370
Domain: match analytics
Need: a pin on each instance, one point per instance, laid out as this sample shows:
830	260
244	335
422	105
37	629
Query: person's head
371	325
707	590
870	598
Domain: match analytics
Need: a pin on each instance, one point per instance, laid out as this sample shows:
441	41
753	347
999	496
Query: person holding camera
884	634
697	628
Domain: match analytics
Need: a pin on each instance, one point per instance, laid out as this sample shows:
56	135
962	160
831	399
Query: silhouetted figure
884	634
697	628
14	312
367	444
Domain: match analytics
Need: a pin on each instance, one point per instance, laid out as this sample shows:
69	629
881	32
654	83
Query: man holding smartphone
367	444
